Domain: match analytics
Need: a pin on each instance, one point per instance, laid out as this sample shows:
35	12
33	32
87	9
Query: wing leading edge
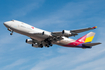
69	33
83	30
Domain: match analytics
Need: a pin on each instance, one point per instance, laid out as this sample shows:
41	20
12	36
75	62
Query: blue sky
52	15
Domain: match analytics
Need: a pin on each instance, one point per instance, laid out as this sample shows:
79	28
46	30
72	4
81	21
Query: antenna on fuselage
13	20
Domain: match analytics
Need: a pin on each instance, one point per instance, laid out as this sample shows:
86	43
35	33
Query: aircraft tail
85	41
86	38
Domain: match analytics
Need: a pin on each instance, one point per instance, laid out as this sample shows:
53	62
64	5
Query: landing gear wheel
47	45
41	45
32	45
50	44
11	33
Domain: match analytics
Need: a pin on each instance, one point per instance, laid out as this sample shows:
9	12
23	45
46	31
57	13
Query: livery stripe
89	39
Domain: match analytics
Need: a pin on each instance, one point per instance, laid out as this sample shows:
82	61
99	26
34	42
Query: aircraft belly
65	41
38	37
26	32
20	32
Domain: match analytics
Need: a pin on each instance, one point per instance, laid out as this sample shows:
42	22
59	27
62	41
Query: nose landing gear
10	31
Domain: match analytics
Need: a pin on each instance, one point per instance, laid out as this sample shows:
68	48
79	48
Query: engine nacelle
29	41
35	45
47	34
66	32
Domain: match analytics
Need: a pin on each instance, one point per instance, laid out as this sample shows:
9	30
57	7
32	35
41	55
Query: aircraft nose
7	24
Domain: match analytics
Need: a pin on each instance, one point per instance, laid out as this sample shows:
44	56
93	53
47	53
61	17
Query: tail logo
86	38
82	39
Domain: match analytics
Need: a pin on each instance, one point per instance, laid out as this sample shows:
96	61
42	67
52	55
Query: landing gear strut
41	45
48	41
10	31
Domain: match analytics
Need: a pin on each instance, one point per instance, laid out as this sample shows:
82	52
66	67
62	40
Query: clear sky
52	15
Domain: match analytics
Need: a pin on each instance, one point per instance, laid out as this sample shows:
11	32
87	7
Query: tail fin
86	38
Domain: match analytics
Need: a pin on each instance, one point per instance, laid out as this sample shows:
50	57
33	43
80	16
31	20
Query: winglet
94	27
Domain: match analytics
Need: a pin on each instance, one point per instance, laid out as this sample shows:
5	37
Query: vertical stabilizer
86	38
89	37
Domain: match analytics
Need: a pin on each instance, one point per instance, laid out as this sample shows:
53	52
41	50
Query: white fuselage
33	32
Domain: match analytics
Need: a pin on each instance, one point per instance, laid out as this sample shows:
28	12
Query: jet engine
35	45
29	41
47	34
66	32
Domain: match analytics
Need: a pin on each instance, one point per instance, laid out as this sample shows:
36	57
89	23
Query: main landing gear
48	42
41	45
10	31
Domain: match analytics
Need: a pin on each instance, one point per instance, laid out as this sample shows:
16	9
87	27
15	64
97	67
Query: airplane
40	38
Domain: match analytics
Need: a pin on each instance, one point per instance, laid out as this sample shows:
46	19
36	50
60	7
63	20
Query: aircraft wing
90	44
83	30
69	33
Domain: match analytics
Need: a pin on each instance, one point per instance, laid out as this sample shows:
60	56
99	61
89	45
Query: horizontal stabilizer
90	44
